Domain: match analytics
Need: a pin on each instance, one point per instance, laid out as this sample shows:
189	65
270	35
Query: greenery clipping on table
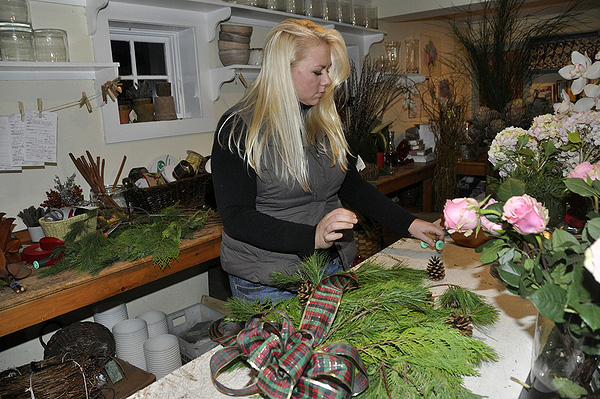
402	335
158	236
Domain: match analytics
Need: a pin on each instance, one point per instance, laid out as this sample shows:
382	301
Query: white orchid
565	106
581	70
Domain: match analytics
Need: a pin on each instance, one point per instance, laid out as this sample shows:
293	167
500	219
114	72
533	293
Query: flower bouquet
556	270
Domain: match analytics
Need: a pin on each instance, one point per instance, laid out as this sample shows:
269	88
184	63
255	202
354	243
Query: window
152	53
158	44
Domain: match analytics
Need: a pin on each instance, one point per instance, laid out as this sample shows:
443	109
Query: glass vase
558	358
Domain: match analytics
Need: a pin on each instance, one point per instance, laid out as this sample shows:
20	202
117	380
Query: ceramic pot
164	108
144	109
124	111
36	233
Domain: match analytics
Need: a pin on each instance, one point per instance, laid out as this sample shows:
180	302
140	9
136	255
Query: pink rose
583	171
488	226
460	215
525	214
592	259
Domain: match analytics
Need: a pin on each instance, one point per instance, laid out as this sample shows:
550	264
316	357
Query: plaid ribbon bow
286	360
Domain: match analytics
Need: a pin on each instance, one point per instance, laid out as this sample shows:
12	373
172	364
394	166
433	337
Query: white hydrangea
504	142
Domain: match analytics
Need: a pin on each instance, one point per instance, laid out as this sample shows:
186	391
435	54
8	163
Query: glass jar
16	42
15	11
330	10
359	7
294	6
278	5
392	50
117	194
371	20
345	11
412	55
313	8
51	45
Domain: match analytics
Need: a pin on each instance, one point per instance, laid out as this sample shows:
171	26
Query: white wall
79	131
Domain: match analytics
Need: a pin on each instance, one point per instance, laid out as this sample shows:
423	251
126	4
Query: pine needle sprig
470	304
156	236
312	270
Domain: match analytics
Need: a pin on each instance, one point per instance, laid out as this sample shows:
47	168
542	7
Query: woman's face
311	74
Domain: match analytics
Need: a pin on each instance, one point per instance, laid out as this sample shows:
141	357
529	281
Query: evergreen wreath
402	336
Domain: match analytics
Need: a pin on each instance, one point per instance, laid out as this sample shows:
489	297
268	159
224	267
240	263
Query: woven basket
370	172
60	228
368	245
189	193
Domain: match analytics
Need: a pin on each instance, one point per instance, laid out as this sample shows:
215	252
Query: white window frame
148	35
197	29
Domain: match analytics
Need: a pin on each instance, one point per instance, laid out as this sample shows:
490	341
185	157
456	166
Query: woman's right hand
328	228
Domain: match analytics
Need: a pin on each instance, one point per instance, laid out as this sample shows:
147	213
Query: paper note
40	136
5	145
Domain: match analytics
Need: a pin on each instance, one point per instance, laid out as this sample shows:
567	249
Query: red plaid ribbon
286	360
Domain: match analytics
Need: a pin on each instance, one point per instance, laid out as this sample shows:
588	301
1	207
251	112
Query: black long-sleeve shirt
235	191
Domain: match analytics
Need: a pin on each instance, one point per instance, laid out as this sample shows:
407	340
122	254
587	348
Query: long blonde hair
276	117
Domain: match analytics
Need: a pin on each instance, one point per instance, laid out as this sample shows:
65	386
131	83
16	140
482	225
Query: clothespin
85	101
104	91
22	111
39	102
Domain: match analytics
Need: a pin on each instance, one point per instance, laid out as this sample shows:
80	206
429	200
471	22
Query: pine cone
462	323
304	292
435	269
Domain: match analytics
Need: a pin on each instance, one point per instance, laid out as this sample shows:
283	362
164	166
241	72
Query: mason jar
51	45
15	11
16	42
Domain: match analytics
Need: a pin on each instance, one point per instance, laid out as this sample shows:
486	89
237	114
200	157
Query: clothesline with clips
110	89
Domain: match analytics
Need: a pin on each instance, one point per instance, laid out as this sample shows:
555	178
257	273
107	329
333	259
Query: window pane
122	55
150	58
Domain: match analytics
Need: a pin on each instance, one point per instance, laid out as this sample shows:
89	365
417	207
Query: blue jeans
249	291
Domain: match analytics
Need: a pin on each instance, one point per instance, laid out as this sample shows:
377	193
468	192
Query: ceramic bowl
234	57
472	241
237	29
232	37
225	45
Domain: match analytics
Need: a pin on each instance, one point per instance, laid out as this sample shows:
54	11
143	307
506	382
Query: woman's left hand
424	231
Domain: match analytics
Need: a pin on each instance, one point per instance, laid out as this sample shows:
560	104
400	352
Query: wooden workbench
407	175
53	296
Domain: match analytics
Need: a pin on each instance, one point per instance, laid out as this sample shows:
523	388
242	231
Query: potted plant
141	97
31	218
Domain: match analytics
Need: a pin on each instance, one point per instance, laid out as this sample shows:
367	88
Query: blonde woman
281	164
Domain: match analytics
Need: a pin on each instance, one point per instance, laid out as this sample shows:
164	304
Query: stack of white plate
130	336
110	313
157	322
162	355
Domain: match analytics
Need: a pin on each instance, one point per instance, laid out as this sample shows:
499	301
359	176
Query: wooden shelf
17	70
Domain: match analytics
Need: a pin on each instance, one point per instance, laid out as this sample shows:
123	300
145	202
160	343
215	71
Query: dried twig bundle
364	99
74	375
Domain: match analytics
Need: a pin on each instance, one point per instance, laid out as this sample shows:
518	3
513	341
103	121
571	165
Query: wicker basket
368	244
60	228
190	193
370	172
